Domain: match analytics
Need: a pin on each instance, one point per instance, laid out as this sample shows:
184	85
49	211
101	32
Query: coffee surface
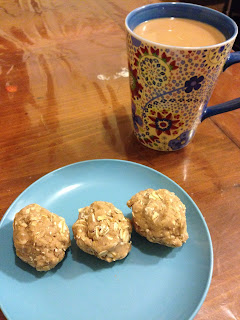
179	32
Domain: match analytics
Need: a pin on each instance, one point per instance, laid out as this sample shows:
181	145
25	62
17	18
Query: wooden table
65	98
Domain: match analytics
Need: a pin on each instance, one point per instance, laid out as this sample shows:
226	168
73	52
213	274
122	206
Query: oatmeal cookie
40	237
159	216
103	231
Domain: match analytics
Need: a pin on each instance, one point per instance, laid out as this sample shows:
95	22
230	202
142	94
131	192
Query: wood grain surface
65	98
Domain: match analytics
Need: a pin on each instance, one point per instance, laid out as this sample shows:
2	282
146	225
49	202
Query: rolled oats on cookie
40	237
159	216
103	231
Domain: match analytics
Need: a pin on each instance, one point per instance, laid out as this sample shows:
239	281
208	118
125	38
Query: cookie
159	216
40	237
103	231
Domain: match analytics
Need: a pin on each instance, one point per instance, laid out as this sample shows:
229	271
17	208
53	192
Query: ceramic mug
171	86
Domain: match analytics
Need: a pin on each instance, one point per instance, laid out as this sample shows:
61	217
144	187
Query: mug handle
233	58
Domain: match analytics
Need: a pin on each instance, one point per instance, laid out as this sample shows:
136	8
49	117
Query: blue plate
153	282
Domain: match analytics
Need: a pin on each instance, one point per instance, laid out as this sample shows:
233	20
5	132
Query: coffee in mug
179	32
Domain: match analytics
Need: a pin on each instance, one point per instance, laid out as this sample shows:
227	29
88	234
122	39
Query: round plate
152	282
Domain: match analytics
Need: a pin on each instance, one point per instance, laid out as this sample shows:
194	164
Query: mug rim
182	4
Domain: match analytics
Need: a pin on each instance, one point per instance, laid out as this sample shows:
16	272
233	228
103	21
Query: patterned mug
171	86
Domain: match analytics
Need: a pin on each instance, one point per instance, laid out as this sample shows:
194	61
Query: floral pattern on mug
179	142
135	86
137	120
193	83
164	123
169	88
